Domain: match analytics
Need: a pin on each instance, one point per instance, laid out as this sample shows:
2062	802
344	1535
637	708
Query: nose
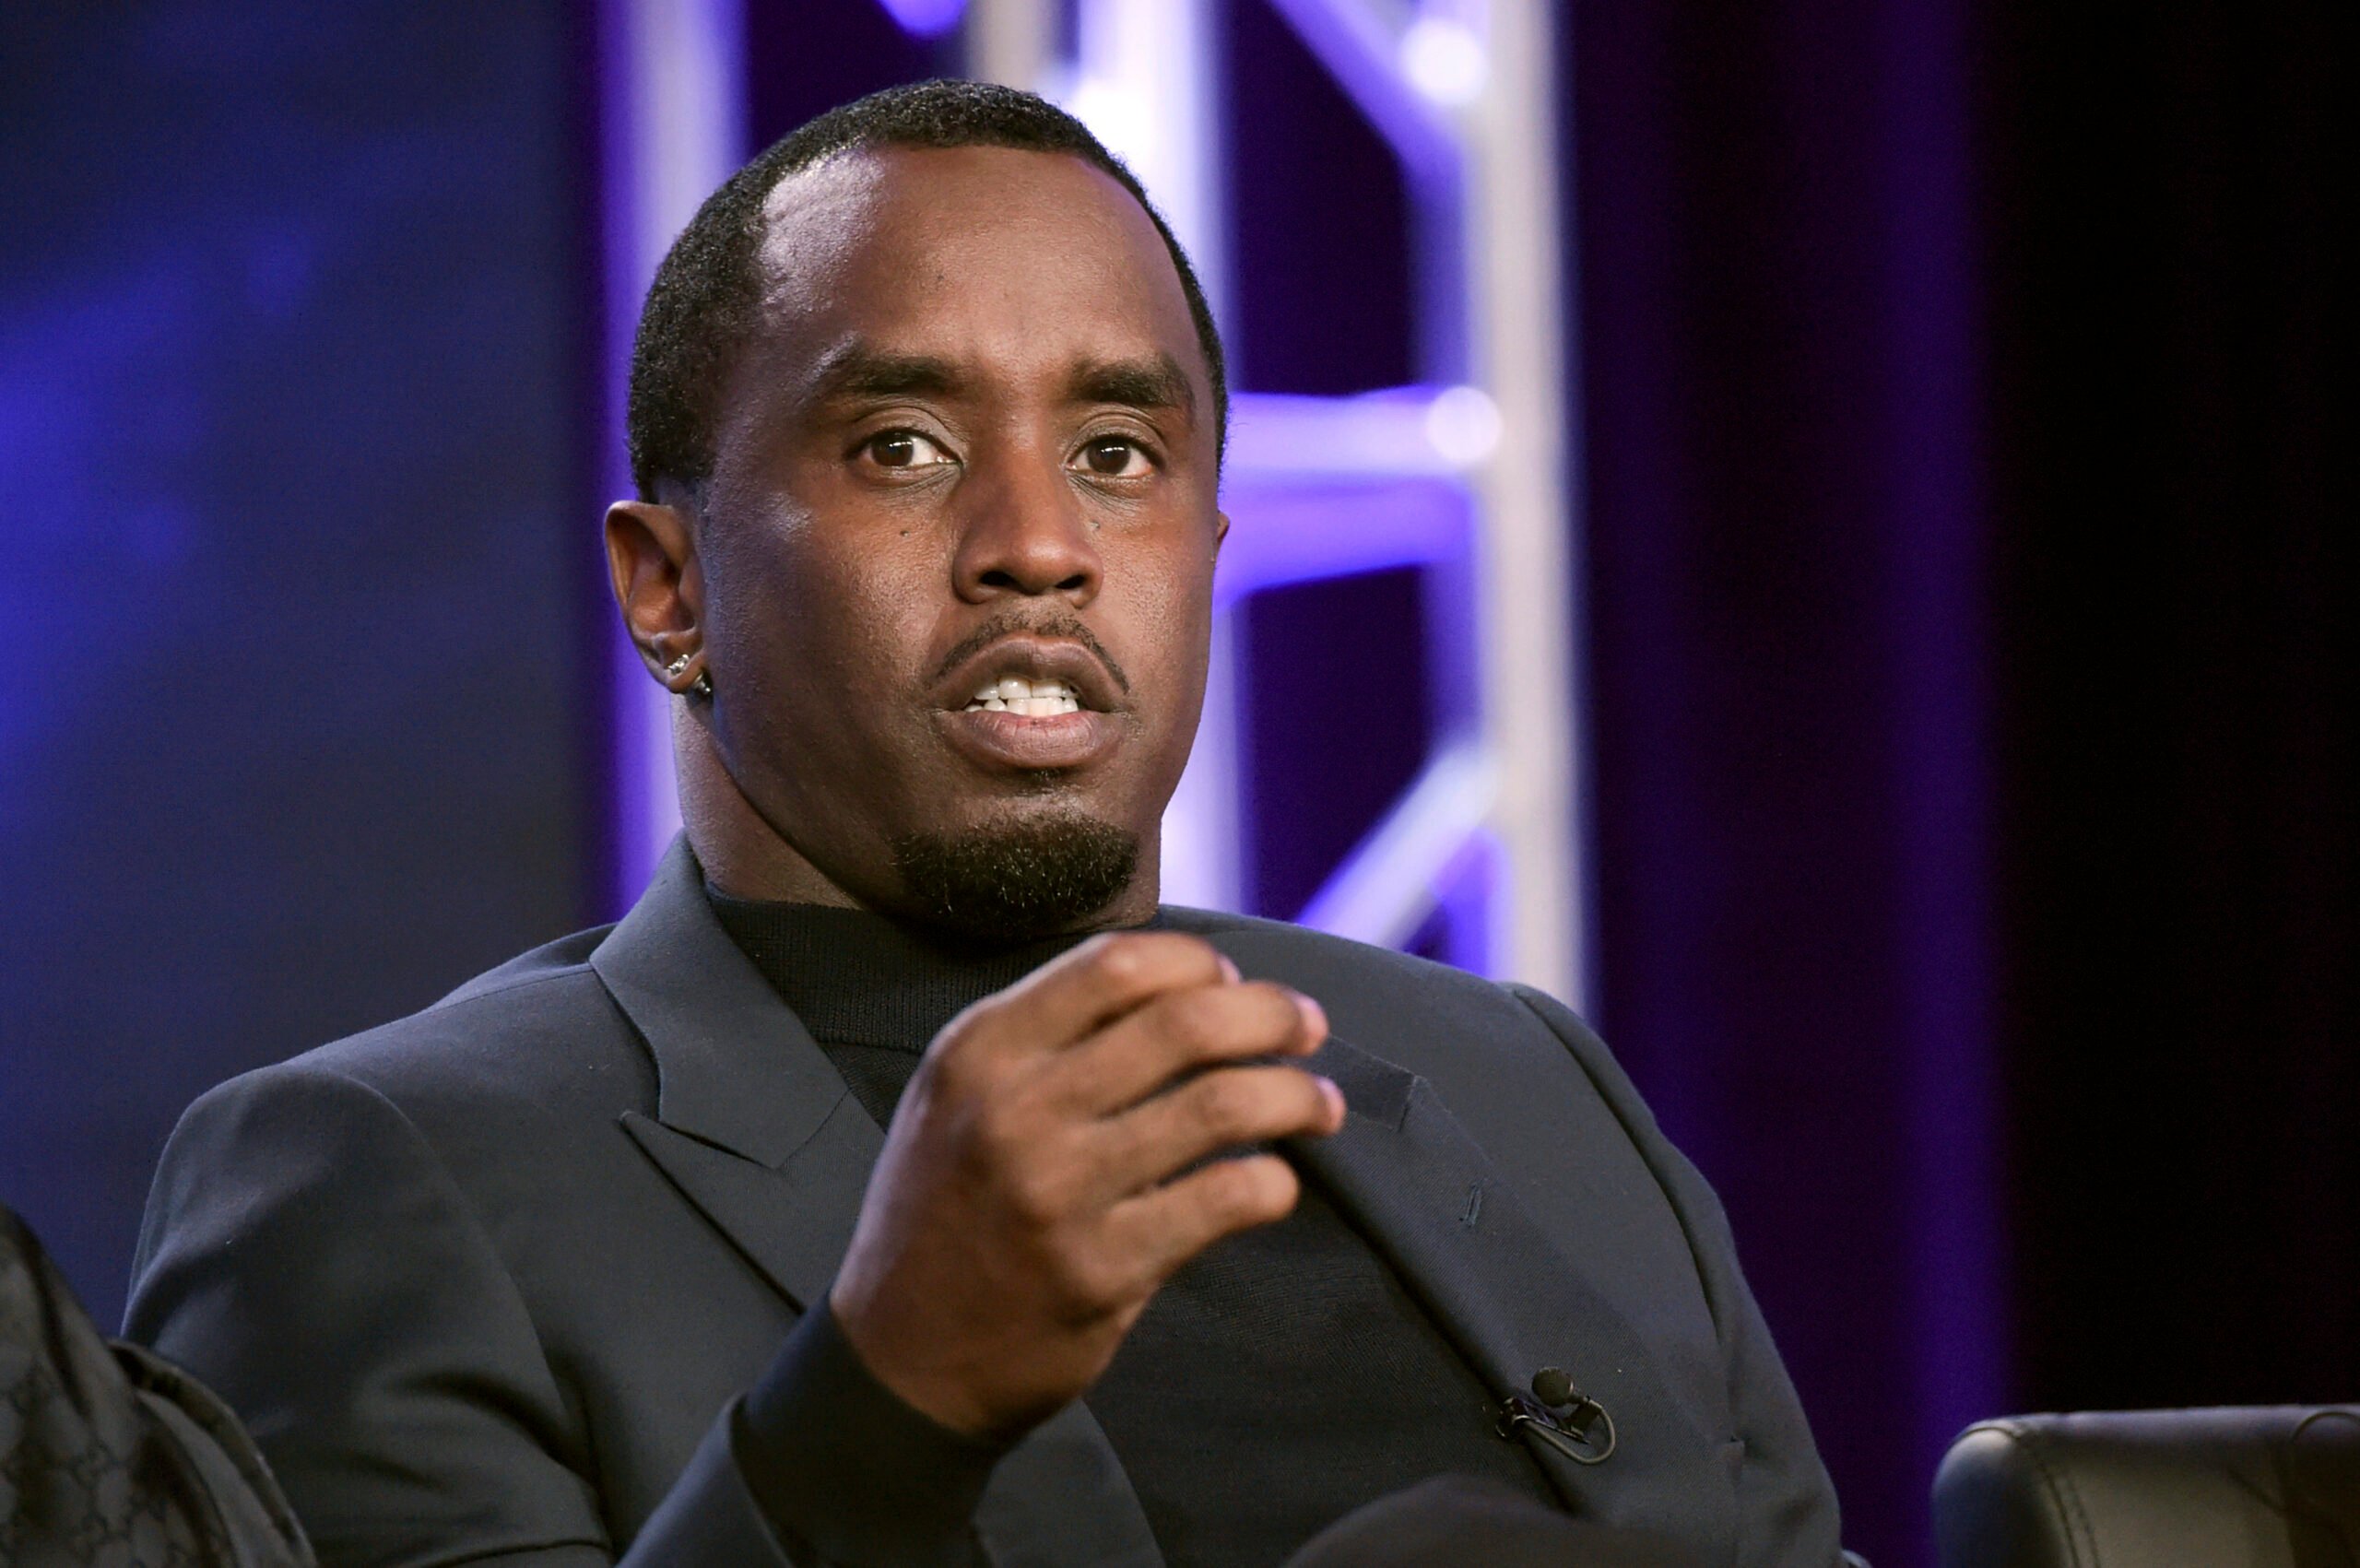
1024	532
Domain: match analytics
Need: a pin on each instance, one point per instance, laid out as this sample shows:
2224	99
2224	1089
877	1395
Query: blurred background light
1444	60
927	18
1463	424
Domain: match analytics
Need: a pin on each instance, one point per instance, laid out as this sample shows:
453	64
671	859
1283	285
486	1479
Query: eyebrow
1152	381
855	370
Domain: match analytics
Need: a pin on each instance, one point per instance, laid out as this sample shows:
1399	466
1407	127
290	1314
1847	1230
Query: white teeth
1033	699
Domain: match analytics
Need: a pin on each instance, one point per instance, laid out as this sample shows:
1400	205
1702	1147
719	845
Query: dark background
1971	637
296	724
1966	618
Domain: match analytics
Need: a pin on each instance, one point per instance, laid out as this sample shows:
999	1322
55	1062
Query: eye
1115	458
905	450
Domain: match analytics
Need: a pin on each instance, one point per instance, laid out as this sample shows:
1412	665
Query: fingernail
1315	1017
1229	969
1333	1095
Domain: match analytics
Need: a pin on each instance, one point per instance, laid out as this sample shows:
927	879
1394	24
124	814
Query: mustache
1011	624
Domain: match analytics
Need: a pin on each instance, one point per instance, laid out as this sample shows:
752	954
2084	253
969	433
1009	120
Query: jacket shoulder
535	1038
568	955
1376	996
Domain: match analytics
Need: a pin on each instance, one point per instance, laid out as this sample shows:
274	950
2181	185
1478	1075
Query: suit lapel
792	1222
734	1067
757	1131
1432	1202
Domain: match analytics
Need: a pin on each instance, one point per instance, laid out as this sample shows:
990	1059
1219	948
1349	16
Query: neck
742	854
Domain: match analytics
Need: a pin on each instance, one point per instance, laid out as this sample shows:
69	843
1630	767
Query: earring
677	668
702	685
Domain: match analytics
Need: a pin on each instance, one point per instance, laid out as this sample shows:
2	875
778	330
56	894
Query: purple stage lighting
927	18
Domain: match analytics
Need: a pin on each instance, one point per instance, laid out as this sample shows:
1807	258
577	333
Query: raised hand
1048	1169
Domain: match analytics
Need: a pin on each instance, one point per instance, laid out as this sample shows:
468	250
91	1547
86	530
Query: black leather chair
2266	1487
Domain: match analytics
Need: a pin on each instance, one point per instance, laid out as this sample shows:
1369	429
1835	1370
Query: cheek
776	582
808	625
1169	617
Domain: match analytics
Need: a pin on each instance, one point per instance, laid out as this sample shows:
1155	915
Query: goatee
1015	882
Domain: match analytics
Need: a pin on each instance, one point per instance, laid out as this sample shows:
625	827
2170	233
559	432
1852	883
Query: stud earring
701	687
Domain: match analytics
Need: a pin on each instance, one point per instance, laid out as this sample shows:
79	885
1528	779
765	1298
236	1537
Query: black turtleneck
1278	1381
872	993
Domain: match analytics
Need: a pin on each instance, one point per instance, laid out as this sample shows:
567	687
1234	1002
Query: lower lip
1017	741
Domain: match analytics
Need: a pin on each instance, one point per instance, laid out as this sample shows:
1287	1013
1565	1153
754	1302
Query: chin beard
1014	881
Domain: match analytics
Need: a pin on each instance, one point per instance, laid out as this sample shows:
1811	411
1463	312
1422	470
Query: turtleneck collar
857	978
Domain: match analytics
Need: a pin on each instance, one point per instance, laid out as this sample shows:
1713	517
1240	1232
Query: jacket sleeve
307	1253
1786	1512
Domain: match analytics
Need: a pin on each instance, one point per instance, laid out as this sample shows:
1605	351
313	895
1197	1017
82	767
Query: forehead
996	256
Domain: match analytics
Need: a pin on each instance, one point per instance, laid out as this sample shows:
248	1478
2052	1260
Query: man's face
958	546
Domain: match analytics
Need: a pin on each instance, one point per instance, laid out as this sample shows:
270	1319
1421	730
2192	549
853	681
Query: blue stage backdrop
296	543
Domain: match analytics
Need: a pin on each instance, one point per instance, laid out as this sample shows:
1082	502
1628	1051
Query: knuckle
996	1142
1195	1019
1123	961
958	1062
1135	961
1090	1282
1274	1015
1231	1020
1034	1194
1106	1281
945	1075
1254	1187
1228	1104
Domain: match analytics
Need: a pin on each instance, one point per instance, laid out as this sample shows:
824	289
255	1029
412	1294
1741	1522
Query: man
793	1218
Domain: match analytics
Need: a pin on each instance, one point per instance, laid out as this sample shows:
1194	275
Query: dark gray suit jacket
486	1280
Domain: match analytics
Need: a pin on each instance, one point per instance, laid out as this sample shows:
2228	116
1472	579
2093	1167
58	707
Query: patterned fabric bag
112	1458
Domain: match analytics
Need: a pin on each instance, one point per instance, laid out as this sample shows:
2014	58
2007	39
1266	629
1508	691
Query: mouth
1044	698
1032	705
1031	676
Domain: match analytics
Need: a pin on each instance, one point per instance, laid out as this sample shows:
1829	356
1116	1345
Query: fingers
1097	983
1225	1109
1161	1228
1047	1171
1183	1032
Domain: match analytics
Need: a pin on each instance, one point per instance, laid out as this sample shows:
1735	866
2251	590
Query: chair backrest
2261	1487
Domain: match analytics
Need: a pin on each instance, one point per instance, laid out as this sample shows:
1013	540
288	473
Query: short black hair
707	294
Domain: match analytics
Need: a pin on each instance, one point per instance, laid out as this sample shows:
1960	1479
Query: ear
651	563
1220	532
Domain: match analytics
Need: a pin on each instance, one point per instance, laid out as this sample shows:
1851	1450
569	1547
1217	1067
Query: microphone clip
1562	1416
